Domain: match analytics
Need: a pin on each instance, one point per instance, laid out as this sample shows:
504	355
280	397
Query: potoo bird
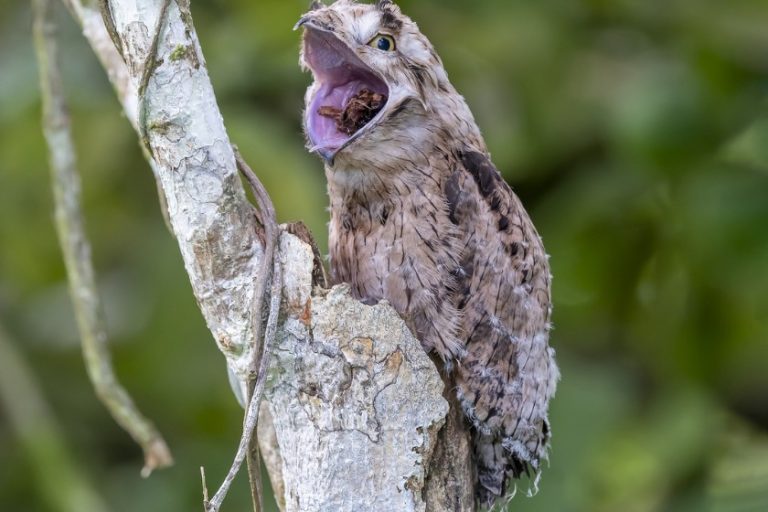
420	217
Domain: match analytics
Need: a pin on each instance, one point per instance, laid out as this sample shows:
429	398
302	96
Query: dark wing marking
485	174
505	305
452	195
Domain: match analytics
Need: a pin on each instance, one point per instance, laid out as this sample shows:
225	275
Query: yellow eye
383	42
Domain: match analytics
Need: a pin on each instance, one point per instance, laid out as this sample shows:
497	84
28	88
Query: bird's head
372	56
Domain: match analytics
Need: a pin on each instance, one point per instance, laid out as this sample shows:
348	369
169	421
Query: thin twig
205	484
252	414
267	219
77	249
259	364
254	473
271	229
109	24
251	423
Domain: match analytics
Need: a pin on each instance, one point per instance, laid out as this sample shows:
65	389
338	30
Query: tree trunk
357	406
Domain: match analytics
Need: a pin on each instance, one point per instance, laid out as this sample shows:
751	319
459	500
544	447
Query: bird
421	218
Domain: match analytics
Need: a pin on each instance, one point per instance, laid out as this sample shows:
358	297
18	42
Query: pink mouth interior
342	75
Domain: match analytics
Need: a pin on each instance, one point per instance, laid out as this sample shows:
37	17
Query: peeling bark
355	401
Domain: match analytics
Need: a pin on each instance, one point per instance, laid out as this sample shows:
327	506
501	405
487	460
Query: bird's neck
416	151
386	175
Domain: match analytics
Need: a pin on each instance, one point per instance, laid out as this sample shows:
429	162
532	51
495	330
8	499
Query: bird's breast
364	245
403	251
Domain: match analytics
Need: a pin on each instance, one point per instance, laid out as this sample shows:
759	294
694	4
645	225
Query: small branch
62	483
252	415
268	220
254	473
77	250
109	24
269	452
205	484
260	364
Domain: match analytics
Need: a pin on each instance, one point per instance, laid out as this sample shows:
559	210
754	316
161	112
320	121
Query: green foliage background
636	132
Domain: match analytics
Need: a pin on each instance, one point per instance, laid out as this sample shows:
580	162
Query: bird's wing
507	374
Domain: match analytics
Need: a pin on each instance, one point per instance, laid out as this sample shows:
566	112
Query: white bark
195	163
355	401
357	406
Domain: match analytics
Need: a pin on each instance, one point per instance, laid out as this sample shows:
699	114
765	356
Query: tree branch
357	406
192	157
77	250
260	366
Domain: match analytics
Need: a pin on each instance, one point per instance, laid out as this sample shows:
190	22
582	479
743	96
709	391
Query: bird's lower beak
327	155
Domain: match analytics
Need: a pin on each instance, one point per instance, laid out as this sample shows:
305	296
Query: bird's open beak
341	77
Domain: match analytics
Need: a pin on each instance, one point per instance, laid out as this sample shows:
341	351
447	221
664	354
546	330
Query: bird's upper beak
303	21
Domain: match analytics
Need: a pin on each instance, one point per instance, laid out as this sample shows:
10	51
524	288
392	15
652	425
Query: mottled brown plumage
421	218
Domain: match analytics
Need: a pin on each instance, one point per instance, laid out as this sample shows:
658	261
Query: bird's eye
383	42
